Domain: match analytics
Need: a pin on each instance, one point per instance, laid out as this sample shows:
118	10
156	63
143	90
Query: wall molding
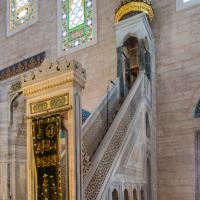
23	66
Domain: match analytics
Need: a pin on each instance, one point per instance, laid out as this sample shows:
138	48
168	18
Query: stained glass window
21	13
77	23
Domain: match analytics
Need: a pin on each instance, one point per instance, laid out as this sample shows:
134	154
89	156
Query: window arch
135	194
131	62
197	110
142	194
149	187
147	59
115	195
148	130
77	25
126	196
20	14
17	140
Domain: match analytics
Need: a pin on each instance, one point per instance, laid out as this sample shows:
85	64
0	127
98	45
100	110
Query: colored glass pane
76	14
21	12
77	23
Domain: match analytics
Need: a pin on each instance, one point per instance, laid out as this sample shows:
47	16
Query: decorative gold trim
134	7
27	6
56	74
46	113
23	66
49	104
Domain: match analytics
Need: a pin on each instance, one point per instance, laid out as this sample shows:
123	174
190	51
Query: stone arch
149	180
17	117
135	194
129	35
197	110
194	103
126	194
142	194
14	98
17	148
147	123
131	60
115	195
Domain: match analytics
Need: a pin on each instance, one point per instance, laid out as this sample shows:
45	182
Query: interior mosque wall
13	142
4	140
99	60
178	82
177	61
17	148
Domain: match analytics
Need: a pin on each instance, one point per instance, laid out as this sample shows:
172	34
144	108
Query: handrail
131	136
95	127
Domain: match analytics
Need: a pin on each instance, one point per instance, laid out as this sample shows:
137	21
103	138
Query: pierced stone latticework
108	157
85	161
95	132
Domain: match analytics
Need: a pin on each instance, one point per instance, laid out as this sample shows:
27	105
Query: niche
115	195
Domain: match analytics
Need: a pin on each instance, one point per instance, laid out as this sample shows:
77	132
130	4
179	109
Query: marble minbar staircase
102	145
108	150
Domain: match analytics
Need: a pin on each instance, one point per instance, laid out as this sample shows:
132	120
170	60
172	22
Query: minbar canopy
129	8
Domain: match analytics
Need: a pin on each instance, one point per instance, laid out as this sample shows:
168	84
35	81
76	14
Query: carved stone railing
95	127
97	124
111	144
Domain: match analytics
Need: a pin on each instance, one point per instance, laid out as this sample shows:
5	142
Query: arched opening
149	189
131	61
135	194
197	110
147	58
126	196
115	195
148	130
142	194
17	177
